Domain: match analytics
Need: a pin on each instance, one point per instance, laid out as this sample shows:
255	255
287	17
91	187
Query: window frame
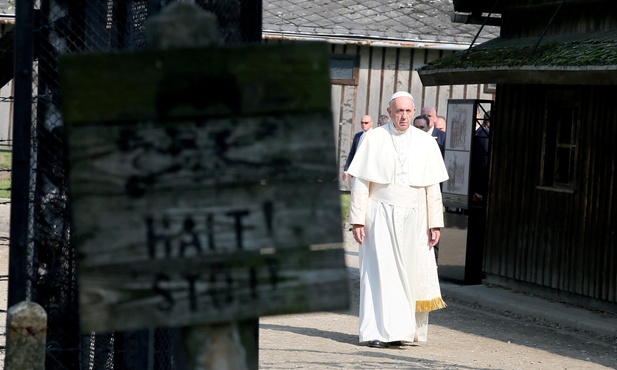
355	59
562	122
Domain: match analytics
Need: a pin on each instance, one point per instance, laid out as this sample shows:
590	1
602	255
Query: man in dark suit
439	135
479	160
366	123
441	123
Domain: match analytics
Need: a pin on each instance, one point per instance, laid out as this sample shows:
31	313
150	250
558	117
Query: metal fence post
22	125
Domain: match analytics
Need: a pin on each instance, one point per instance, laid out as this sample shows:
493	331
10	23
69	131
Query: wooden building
376	49
7	23
551	214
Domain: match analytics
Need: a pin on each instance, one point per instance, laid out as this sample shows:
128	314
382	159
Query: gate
42	258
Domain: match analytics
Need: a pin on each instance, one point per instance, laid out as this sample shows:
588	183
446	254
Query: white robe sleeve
359	200
434	206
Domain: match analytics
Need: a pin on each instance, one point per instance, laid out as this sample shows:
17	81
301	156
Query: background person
422	122
365	123
439	135
383	120
441	123
480	160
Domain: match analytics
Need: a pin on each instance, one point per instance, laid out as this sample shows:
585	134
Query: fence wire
85	26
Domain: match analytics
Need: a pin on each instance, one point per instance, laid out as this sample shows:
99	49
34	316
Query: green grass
6	159
345	200
5	188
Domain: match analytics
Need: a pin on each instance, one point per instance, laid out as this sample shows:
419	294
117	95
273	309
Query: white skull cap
398	94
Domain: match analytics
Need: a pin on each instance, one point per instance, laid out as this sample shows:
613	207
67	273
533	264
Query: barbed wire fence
41	230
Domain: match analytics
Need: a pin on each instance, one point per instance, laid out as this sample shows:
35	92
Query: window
490	88
344	69
560	140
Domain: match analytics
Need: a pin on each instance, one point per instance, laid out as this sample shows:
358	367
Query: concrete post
26	337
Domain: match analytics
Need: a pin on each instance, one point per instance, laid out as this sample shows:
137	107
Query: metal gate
42	258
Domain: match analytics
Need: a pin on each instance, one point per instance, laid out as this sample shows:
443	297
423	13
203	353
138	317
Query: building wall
561	240
6	114
383	71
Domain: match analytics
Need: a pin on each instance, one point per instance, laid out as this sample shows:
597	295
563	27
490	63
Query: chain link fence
82	26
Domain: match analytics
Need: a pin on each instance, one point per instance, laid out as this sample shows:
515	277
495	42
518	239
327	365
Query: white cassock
395	194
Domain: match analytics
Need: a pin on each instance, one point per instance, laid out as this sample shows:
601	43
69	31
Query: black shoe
397	343
377	344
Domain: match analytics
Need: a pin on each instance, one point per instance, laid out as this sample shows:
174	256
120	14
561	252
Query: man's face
431	114
421	124
401	111
366	123
440	124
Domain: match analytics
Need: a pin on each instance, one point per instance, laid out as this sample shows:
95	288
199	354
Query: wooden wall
383	71
6	114
565	242
553	19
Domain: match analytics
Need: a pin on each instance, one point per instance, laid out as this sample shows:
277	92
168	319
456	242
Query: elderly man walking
396	213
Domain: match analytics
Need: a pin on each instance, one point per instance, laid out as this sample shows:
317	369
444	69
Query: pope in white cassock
396	212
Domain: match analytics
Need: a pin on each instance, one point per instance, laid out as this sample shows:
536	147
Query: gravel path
462	336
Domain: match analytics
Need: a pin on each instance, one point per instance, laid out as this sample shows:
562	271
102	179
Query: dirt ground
462	336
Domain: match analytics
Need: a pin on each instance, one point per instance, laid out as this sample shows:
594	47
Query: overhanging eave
605	75
586	58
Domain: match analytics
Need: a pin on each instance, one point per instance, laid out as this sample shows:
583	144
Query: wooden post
204	187
182	25
26	336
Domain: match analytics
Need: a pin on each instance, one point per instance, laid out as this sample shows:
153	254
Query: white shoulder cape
375	159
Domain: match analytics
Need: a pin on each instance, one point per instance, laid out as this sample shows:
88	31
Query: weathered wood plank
388	73
264	181
416	87
118	229
212	82
368	100
405	68
444	93
210	181
430	93
182	291
198	153
348	126
374	87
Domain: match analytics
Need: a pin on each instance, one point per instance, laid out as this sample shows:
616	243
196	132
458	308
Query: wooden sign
204	185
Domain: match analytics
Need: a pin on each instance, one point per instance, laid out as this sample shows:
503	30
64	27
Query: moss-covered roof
595	51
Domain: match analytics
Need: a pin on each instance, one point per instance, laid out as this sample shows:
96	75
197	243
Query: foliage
10	7
580	50
5	188
5	173
345	200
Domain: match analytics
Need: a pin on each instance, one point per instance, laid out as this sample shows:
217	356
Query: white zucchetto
398	94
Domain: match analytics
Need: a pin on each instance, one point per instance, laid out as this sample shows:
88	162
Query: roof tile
411	20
